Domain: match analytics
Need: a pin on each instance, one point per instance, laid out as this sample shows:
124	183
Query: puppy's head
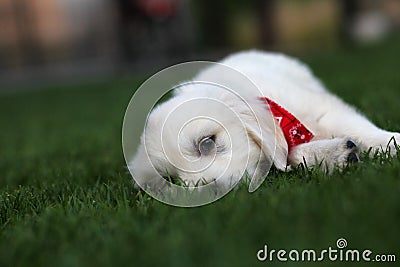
208	136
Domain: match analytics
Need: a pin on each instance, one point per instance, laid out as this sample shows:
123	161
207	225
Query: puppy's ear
274	150
263	130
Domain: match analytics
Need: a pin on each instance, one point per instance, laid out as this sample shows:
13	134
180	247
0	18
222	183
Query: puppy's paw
329	154
342	153
347	153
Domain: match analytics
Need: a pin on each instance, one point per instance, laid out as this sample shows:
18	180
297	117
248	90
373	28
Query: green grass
66	197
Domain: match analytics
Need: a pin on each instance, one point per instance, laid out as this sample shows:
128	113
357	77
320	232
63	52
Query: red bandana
295	132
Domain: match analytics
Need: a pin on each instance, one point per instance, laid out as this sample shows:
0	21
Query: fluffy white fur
247	143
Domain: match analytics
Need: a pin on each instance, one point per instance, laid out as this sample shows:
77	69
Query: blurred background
73	40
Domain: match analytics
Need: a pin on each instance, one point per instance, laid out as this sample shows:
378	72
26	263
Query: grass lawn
66	197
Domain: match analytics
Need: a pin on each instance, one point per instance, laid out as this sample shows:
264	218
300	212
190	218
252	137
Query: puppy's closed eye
207	146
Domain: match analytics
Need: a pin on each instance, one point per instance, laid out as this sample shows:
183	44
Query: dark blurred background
56	40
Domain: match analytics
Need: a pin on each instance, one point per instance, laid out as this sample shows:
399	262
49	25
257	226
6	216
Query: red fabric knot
294	131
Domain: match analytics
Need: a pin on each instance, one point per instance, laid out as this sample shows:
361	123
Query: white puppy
205	132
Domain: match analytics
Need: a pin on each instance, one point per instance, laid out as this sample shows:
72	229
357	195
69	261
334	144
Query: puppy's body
284	80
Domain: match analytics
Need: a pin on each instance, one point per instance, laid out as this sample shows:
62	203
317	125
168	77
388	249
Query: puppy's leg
338	119
330	152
